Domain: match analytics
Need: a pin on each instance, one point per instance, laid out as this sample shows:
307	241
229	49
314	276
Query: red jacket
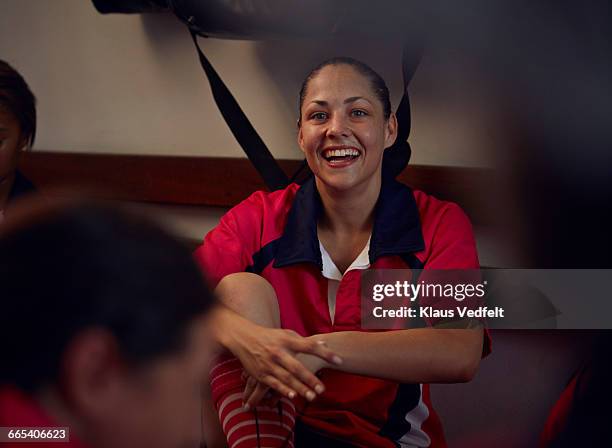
275	235
19	410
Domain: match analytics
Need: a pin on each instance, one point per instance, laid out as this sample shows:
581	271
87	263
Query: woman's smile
343	130
340	156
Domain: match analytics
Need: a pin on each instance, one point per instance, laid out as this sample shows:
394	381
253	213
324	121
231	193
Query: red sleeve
453	247
452	244
229	247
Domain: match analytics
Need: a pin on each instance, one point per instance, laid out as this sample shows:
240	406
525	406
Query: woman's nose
338	126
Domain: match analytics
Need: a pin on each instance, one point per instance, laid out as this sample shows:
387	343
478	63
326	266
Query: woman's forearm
425	355
224	323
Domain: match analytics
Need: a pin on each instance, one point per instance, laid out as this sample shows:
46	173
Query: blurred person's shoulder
18	411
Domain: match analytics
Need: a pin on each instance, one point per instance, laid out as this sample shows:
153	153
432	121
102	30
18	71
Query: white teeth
340	152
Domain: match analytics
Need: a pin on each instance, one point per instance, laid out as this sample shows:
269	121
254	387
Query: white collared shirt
331	272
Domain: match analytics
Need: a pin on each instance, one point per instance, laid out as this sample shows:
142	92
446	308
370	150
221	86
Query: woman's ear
24	143
390	130
300	137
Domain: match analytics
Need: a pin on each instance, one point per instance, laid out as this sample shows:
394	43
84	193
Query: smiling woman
344	125
309	245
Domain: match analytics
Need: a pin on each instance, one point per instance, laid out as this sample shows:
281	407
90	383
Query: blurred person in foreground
104	328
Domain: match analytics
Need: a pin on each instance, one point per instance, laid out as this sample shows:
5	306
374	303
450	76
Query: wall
132	84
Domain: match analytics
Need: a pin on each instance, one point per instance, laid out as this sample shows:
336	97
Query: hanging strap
254	147
395	158
398	155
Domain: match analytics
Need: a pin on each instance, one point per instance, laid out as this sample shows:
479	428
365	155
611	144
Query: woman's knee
251	296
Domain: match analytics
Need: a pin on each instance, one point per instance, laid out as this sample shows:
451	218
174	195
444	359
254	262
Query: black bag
261	19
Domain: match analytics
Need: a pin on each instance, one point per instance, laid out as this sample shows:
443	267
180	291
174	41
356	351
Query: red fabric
262	426
353	408
19	410
557	419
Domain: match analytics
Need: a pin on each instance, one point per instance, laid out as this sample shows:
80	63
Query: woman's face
11	143
343	131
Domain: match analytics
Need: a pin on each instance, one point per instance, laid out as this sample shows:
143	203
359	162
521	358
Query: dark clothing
306	437
21	186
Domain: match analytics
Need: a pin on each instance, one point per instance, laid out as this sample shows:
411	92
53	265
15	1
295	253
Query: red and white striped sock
256	428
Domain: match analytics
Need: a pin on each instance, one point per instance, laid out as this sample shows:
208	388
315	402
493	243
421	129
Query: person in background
103	328
17	132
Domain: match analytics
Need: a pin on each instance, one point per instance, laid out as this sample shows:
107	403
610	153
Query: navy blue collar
397	227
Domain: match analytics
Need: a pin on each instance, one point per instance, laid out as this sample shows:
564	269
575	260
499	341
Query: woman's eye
359	113
318	116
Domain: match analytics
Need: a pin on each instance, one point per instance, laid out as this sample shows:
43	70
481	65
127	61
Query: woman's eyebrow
352	99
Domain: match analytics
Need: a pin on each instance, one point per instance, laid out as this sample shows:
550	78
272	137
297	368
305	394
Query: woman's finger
284	390
302	373
314	347
294	383
265	400
258	393
248	391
